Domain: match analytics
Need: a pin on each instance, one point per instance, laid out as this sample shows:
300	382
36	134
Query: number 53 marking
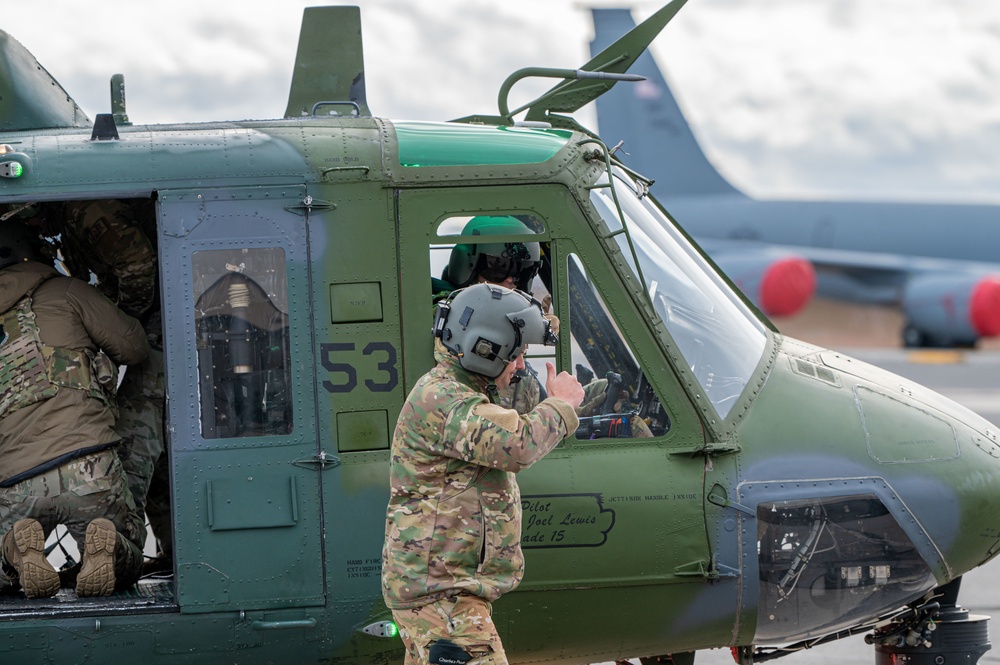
388	366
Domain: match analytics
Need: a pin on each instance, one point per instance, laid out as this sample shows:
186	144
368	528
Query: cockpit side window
241	323
512	252
619	402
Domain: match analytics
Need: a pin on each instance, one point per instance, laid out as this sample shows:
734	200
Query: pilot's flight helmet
18	243
488	326
494	261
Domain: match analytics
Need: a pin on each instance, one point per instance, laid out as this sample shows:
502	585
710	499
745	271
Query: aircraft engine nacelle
947	310
779	286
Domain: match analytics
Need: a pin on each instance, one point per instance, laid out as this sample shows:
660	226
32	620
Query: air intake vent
818	372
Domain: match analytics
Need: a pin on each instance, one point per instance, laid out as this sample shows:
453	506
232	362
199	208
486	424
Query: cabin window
241	324
619	402
518	237
450	265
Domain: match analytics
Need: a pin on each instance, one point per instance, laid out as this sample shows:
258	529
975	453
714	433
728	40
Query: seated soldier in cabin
115	240
60	345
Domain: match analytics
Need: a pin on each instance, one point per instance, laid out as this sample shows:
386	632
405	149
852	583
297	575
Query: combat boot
24	549
97	576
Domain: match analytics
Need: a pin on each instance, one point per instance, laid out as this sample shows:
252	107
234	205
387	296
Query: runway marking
936	357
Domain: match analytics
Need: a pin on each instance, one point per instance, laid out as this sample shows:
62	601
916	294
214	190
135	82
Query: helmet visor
496	269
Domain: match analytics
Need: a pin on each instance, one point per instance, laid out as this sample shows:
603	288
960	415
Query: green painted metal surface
442	144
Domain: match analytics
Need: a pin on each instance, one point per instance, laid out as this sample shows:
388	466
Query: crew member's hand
547	313
564	386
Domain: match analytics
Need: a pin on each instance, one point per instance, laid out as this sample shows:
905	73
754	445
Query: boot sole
37	576
97	576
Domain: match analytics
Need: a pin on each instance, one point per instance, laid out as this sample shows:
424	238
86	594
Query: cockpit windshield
720	339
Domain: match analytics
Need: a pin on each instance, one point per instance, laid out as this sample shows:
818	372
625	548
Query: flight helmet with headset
494	261
488	326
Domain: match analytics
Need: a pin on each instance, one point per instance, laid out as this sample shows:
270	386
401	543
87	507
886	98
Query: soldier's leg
101	517
463	622
158	508
27	515
140	426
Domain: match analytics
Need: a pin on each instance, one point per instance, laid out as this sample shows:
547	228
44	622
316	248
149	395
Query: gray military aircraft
940	262
736	488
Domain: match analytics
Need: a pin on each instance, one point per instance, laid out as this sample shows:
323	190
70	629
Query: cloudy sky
863	98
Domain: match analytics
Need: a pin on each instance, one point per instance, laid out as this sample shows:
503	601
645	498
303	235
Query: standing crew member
453	524
57	459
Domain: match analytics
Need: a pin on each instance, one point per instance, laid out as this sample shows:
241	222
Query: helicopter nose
889	491
942	459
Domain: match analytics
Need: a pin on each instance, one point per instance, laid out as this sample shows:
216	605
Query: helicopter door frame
627	512
247	500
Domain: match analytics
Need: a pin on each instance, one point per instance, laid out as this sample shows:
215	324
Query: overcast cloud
872	98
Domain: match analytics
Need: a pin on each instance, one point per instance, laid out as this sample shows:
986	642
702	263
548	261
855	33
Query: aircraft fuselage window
509	250
825	564
618	401
241	323
721	340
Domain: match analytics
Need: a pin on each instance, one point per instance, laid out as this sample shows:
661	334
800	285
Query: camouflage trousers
73	494
143	453
464	620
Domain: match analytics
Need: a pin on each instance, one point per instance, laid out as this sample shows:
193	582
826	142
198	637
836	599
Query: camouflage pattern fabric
453	523
107	238
73	494
140	426
524	395
593	398
463	620
115	240
24	378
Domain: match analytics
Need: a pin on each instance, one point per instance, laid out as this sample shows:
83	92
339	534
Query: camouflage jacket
113	239
453	524
73	315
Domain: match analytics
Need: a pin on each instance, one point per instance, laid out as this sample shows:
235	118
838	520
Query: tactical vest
31	371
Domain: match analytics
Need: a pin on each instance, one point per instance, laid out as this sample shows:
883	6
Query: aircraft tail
658	140
329	74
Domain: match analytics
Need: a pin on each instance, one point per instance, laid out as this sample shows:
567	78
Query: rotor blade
570	96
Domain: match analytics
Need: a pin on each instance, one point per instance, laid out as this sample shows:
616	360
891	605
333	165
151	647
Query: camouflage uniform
463	620
74	494
453	524
58	464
